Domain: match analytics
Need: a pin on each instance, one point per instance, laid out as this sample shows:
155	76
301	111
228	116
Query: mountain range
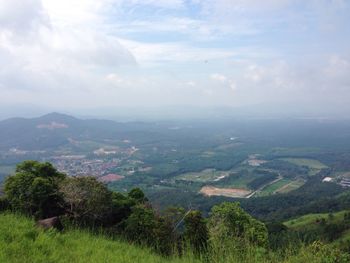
54	130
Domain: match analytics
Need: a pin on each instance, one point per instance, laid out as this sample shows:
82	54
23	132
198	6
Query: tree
196	232
121	209
138	195
86	200
228	221
166	238
33	189
140	225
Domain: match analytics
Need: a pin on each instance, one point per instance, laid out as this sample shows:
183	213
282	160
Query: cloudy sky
75	54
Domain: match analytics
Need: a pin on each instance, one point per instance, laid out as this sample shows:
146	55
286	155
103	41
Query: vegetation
85	199
262	180
229	222
33	189
106	220
21	242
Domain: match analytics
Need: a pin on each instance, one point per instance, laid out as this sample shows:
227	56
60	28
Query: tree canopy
33	189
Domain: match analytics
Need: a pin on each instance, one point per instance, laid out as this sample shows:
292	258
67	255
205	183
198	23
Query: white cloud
218	77
20	16
176	52
117	51
57	55
172	4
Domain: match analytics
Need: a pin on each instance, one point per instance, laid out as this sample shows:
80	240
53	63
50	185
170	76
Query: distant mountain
54	130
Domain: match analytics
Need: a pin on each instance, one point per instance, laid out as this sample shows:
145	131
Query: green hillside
21	241
310	219
104	226
328	227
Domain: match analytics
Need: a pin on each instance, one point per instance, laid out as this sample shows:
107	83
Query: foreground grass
21	241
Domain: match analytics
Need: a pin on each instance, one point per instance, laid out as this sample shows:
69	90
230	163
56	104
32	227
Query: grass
311	163
314	165
238	181
207	175
272	188
22	242
309	219
293	185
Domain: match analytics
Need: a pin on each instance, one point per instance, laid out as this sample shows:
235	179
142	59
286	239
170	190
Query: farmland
264	157
313	165
207	175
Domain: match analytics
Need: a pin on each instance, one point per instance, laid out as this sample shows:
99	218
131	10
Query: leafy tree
33	189
138	195
140	225
174	214
282	238
228	221
3	204
166	237
196	232
86	200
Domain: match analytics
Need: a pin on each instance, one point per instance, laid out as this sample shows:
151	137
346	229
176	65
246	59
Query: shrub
196	232
86	200
228	221
33	189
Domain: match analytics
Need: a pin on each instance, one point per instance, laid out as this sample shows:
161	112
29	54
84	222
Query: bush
228	221
140	225
4	204
33	189
196	232
86	200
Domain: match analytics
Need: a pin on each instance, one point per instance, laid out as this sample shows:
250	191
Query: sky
109	54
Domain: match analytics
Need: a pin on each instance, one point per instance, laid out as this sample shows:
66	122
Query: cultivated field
314	165
290	186
207	175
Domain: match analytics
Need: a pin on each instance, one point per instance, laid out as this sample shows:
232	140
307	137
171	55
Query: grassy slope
21	242
307	220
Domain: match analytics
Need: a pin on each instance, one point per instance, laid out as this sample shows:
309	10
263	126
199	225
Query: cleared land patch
110	178
228	192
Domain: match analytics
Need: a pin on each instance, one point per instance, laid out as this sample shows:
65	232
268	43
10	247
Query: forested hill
56	130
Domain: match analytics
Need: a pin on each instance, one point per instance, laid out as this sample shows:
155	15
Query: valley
222	158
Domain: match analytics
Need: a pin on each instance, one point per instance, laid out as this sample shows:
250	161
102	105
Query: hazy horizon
170	58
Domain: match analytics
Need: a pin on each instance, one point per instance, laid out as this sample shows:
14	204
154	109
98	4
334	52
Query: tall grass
22	242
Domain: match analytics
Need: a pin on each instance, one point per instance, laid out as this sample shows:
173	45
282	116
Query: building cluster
80	166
